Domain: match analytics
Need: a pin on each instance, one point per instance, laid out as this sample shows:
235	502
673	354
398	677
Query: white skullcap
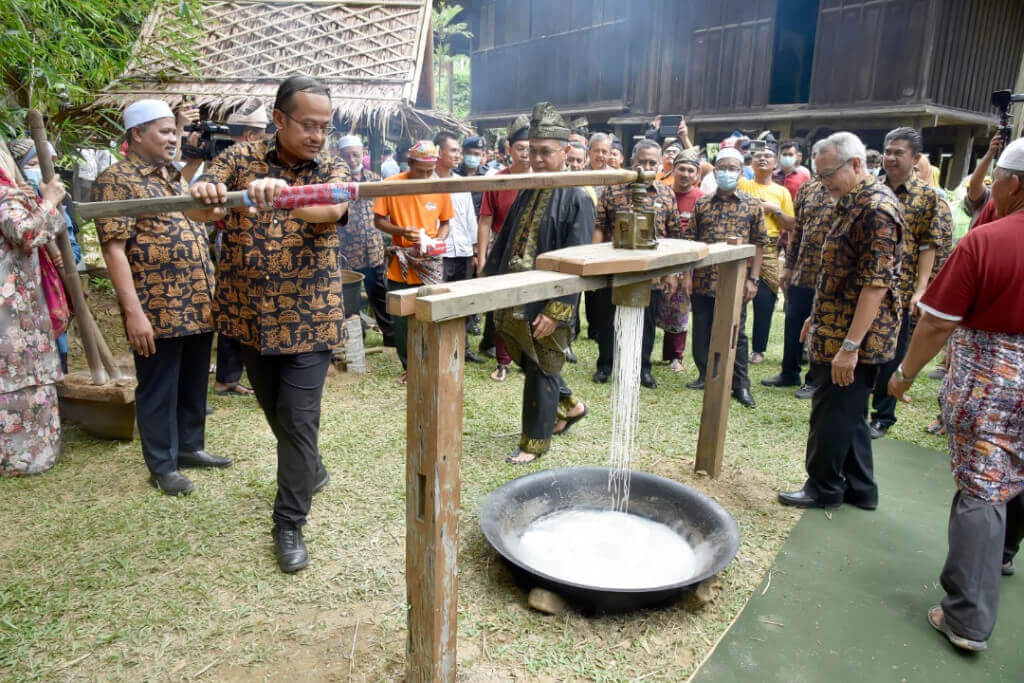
350	141
144	111
1012	158
729	153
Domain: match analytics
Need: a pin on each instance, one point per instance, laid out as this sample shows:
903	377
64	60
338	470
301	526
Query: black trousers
487	338
458	268
541	394
401	326
289	389
764	308
799	301
606	330
839	461
884	405
590	309
703	307
170	400
971	577
377	294
229	360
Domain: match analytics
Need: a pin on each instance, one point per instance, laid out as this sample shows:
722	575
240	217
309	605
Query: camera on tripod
213	139
1003	100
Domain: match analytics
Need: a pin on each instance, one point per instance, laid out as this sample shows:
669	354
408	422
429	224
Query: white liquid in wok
606	549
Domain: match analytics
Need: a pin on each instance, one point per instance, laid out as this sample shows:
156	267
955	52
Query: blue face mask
33	175
787	161
727	180
471	161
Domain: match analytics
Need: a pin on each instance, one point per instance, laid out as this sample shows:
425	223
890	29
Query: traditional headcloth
250	115
729	153
144	111
350	141
546	123
688	156
473	142
424	150
21	148
617	144
519	129
579	123
1012	158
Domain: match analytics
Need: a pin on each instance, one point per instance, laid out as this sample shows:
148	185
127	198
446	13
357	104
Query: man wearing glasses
852	328
279	290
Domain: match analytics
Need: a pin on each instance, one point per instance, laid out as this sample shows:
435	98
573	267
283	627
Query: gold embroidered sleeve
559	311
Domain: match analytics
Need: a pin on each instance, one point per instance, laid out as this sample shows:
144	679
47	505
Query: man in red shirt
790	173
674	316
978	300
493	209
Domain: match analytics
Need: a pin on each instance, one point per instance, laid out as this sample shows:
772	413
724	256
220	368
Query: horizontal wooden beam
452	300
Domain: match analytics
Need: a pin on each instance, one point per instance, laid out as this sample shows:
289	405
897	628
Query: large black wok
705	525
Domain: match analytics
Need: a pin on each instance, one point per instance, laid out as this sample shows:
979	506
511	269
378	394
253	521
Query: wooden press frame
436	348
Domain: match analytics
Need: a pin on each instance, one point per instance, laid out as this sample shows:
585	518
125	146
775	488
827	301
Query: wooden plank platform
604	259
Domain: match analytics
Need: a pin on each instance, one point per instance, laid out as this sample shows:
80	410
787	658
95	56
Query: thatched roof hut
371	53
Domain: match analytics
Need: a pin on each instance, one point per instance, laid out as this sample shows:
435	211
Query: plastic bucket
352	291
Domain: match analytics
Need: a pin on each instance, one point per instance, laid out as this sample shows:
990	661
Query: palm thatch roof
369	52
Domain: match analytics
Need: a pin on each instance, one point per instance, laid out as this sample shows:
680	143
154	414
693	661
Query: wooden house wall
978	49
568	52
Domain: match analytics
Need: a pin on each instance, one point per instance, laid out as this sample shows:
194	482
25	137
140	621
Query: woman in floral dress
29	364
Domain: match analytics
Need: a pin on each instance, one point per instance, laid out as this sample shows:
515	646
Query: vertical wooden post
961	162
433	457
718	382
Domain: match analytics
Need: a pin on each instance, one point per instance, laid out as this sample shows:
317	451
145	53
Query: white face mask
787	161
875	171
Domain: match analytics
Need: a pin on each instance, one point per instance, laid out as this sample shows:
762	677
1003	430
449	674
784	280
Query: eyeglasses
311	128
825	175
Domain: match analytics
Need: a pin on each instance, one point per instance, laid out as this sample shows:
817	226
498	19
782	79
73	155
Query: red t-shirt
497	203
982	283
792	181
686	201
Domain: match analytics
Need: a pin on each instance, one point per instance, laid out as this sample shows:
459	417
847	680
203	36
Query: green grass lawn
102	578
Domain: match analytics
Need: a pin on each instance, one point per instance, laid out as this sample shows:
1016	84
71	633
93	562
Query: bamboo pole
236	199
101	368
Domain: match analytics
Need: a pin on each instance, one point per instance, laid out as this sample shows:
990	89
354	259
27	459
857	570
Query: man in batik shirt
813	208
727	213
661	201
537	334
928	234
852	327
162	272
978	300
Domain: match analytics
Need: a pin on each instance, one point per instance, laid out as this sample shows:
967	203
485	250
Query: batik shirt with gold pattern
928	222
862	248
169	254
813	208
660	199
279	286
362	245
715	219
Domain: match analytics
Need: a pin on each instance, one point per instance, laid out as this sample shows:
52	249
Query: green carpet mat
847	597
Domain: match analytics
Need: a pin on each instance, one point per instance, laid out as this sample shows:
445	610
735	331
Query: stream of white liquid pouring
629	329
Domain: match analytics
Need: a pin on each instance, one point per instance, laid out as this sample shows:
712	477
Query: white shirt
462	235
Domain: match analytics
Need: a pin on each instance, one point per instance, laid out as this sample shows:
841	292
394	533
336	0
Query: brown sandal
511	459
500	373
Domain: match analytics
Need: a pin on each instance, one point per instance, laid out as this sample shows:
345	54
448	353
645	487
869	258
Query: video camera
1003	100
214	138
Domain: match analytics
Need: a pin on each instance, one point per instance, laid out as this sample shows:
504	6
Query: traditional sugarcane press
634	226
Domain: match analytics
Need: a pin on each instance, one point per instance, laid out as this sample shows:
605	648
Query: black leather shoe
780	380
806	391
472	357
289	548
744	397
202	459
800	499
863	504
474	328
878	429
570	355
601	376
647	379
173	483
322	477
697	384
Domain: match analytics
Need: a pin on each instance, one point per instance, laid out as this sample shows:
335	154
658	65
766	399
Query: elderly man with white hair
978	301
852	327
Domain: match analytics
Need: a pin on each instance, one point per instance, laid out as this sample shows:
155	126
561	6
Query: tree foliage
56	54
446	66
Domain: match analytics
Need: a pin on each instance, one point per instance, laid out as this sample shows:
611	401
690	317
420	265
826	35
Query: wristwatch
900	377
850	346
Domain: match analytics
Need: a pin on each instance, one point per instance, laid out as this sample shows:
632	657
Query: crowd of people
860	245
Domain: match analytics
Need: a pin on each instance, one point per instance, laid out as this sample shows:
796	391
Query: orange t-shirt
412	211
